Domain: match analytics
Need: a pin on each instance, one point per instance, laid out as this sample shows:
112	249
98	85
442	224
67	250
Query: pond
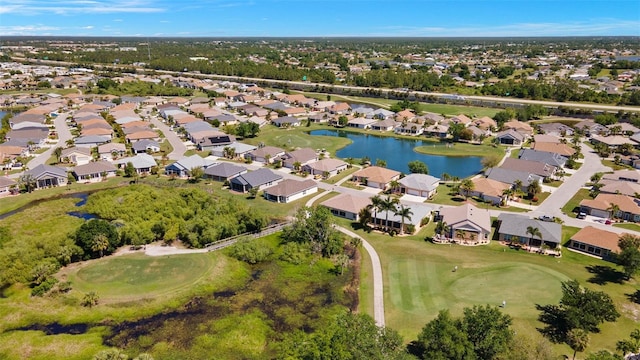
399	152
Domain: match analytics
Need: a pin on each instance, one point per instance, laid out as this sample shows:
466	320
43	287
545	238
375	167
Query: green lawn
342	175
628	226
139	276
460	149
298	137
419	282
612	164
574	203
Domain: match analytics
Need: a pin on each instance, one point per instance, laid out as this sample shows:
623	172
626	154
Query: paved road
64	134
378	285
178	146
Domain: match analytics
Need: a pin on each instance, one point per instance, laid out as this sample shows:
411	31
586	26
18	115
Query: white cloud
68	7
18	30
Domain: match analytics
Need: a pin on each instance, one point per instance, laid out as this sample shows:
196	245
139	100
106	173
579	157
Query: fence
221	244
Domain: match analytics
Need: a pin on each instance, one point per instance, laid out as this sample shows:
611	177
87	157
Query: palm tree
614	209
388	204
534	188
507	193
517	186
297	165
90	299
58	153
100	243
394	185
578	340
533	231
445	177
460	234
404	213
70	143
375	205
29	182
442	227
466	186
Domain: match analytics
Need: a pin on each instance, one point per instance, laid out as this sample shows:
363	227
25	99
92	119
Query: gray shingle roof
517	225
420	182
257	178
42	170
94	168
224	170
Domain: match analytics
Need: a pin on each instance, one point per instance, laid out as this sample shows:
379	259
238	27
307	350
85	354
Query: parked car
607	222
581	215
547	218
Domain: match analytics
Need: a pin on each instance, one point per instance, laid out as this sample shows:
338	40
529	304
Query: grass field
291	138
574	202
419	282
461	149
137	276
628	226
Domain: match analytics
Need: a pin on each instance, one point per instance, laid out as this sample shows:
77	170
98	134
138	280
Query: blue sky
306	18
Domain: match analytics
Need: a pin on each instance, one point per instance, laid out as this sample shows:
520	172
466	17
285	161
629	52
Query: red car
607	222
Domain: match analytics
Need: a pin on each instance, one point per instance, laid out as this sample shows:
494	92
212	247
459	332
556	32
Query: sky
330	18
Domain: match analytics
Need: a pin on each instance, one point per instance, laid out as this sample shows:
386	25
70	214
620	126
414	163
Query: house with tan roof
489	190
460	119
7	186
99	131
556	148
265	154
467	223
94	171
76	155
145	134
326	167
111	151
304	156
375	177
519	126
601	206
405	115
347	206
340	108
289	190
620	187
595	242
486	123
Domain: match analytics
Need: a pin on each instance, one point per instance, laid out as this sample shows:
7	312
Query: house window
590	249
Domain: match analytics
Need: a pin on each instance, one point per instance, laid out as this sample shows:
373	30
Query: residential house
602	206
466	223
240	150
556	148
556	129
409	129
76	155
510	137
142	135
259	179
145	145
361	123
392	221
48	176
7	186
384	125
183	167
286	121
613	141
265	154
141	162
596	242
91	141
533	167
347	205
620	187
376	176
544	157
325	167
514	228
224	171
623	175
112	151
490	191
94	171
301	157
437	130
511	176
419	185
290	190
545	138
215	139
485	123
523	128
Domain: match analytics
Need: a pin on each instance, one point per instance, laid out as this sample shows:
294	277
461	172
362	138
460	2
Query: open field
419	282
461	149
137	276
291	138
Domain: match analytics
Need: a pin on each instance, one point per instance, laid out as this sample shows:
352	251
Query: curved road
176	143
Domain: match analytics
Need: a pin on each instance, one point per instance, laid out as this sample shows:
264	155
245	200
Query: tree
58	153
488	330
613	209
99	244
381	163
343	120
314	226
376	205
534	188
195	174
394	185
297	165
579	308
467	186
87	233
404	213
534	232
28	181
418	167
629	256
110	354
364	218
523	347
253	192
130	170
442	227
631	345
90	299
444	338
490	161
388	205
603	355
577	339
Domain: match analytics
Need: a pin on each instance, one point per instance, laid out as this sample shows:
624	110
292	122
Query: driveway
64	134
179	147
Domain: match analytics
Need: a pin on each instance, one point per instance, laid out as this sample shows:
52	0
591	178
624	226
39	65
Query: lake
398	152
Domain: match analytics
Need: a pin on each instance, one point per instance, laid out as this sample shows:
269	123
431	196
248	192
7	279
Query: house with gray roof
91	141
145	145
347	206
513	228
259	179
511	176
224	171
142	162
510	137
48	176
541	169
384	125
215	139
389	219
382	114
290	190
183	166
285	121
265	154
94	171
419	185
544	157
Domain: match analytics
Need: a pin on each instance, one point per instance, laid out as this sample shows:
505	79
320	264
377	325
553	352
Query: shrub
44	287
424	221
411	228
251	251
295	253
